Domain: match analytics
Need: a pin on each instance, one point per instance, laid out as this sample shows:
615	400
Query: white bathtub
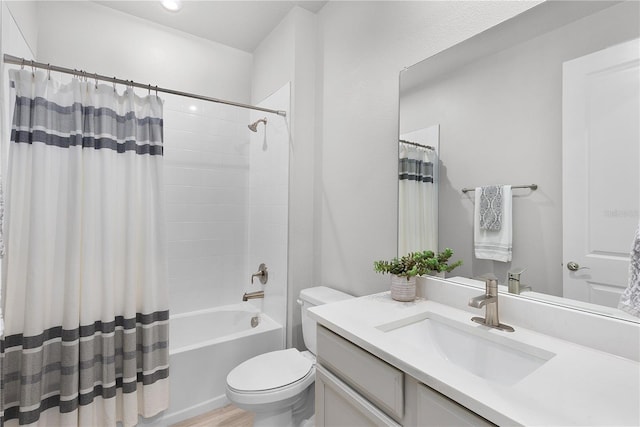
204	346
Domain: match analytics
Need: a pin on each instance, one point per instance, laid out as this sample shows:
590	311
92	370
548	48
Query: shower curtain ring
48	71
156	90
95	76
33	68
22	66
149	88
114	85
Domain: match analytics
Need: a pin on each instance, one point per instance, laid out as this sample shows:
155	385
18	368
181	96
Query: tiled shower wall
269	204
206	180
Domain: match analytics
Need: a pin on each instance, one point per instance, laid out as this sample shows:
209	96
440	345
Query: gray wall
288	55
362	48
501	123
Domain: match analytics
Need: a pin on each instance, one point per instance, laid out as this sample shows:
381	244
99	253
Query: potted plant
404	270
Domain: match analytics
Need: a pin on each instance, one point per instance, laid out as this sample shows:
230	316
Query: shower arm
253	127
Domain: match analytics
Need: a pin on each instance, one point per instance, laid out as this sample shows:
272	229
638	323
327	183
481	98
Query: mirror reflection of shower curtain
417	199
86	319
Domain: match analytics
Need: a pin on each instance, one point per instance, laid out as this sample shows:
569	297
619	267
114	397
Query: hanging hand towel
493	244
491	208
630	298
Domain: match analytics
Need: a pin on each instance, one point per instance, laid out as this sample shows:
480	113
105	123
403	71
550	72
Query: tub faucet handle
262	274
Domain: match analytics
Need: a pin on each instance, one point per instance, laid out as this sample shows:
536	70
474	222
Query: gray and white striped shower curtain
417	200
86	320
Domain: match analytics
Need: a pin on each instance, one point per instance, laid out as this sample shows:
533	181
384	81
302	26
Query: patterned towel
495	245
630	298
491	208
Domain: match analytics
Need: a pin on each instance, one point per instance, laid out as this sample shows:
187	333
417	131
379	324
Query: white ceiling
239	24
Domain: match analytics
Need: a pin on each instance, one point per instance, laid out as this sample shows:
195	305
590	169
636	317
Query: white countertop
578	386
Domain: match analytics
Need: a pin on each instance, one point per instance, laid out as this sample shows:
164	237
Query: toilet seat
270	377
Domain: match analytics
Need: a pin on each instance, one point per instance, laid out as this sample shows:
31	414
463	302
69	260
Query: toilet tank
312	297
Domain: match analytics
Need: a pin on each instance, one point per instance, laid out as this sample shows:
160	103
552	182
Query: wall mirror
549	97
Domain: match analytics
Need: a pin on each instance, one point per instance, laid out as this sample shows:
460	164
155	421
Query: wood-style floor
228	416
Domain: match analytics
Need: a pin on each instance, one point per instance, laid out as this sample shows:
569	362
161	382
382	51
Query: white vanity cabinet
355	388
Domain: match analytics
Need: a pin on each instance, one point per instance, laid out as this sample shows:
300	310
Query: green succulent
406	266
417	263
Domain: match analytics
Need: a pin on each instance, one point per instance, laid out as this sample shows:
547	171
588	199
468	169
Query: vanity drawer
375	379
337	404
435	409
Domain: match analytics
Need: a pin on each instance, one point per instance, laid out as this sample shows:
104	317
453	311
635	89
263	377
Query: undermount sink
482	352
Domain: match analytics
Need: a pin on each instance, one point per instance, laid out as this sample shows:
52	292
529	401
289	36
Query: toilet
278	386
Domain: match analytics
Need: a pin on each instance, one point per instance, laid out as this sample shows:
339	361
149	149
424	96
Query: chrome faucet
490	302
252	295
515	287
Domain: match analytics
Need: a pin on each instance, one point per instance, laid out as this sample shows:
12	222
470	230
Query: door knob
574	266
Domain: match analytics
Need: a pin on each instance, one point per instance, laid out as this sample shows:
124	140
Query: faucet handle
262	274
515	273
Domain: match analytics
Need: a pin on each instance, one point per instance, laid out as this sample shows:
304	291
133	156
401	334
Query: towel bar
531	186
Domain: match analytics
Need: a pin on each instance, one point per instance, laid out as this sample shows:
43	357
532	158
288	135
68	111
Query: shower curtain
418	210
86	320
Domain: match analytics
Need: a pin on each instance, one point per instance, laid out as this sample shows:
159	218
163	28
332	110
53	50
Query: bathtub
204	346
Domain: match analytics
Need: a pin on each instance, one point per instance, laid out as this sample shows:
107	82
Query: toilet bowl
278	386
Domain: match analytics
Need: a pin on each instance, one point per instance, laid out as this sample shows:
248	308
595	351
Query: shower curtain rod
416	144
10	59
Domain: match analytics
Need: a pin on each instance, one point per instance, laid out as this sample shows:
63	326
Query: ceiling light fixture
172	5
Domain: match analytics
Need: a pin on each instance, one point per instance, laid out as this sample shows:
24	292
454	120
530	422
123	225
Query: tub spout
252	295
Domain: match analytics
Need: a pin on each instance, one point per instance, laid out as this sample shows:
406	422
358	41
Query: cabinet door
434	409
376	380
337	404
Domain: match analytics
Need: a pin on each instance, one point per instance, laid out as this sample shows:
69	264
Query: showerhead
253	127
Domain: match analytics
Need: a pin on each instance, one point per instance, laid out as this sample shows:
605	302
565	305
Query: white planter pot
403	289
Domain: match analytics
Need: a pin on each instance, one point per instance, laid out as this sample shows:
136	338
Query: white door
601	182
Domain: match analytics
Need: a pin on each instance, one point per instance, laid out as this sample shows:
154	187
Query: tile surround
226	200
206	194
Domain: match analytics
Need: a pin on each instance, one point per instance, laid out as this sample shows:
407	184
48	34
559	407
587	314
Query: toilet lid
269	370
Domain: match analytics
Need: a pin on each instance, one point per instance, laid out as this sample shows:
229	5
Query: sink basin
482	352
